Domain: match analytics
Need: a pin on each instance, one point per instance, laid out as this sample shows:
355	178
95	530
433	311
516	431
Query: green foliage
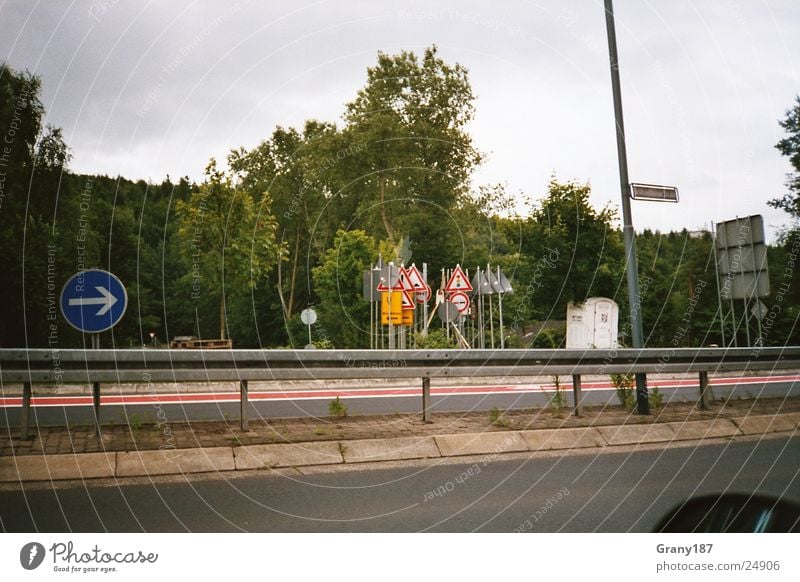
435	340
227	240
655	398
678	289
299	170
416	156
135	422
298	217
568	251
24	232
789	146
337	408
623	387
497	418
549	338
338	281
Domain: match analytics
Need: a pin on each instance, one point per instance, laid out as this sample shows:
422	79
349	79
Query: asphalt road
318	407
606	492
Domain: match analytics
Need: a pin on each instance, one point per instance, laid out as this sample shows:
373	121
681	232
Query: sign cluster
396	292
401	289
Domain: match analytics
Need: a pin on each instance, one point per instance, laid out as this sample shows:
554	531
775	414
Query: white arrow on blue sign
93	301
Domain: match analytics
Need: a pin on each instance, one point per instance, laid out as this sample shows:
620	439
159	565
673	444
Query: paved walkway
57	453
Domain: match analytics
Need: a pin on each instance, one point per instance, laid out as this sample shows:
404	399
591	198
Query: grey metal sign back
742	258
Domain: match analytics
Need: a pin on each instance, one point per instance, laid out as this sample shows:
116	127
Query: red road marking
211	397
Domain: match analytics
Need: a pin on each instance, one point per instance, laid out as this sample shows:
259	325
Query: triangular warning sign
408	302
415	278
405	279
458	281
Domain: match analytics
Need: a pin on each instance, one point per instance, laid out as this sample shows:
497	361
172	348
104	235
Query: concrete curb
174	461
222	459
288	455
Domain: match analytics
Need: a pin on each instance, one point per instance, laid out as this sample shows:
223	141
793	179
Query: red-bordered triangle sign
458	281
408	302
415	278
405	279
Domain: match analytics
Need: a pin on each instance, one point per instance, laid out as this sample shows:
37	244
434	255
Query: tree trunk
222	316
280	285
384	215
293	279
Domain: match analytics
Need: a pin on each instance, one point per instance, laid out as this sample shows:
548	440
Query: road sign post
634	299
309	317
426	399
25	415
92	302
576	394
243	399
425	304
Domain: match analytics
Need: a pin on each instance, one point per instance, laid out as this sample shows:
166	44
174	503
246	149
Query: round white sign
308	316
460	300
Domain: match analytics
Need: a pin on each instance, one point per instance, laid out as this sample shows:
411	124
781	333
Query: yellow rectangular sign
392	307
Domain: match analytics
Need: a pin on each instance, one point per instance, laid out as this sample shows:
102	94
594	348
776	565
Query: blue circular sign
93	301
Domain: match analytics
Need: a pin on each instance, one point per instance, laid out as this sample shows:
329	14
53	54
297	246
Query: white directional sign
654	193
93	301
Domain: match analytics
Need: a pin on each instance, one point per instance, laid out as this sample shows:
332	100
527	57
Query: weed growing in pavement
135	422
497	418
623	386
337	408
557	400
656	398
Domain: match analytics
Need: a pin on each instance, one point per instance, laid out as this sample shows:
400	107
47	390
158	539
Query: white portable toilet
594	324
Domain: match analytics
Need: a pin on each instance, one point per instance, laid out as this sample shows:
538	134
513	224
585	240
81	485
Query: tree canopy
293	221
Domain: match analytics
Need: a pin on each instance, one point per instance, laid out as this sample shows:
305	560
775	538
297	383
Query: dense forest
294	221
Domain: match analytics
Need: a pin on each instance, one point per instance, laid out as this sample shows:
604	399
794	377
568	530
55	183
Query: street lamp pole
634	298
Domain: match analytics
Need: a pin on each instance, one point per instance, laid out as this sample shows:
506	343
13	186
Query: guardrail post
24	421
243	405
426	399
576	393
642	395
705	394
96	406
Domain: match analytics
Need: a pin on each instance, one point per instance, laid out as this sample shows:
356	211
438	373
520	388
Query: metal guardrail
44	366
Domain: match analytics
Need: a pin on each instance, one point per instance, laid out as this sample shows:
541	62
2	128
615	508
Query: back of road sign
93	301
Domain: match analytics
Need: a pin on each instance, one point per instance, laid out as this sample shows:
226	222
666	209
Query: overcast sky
147	90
